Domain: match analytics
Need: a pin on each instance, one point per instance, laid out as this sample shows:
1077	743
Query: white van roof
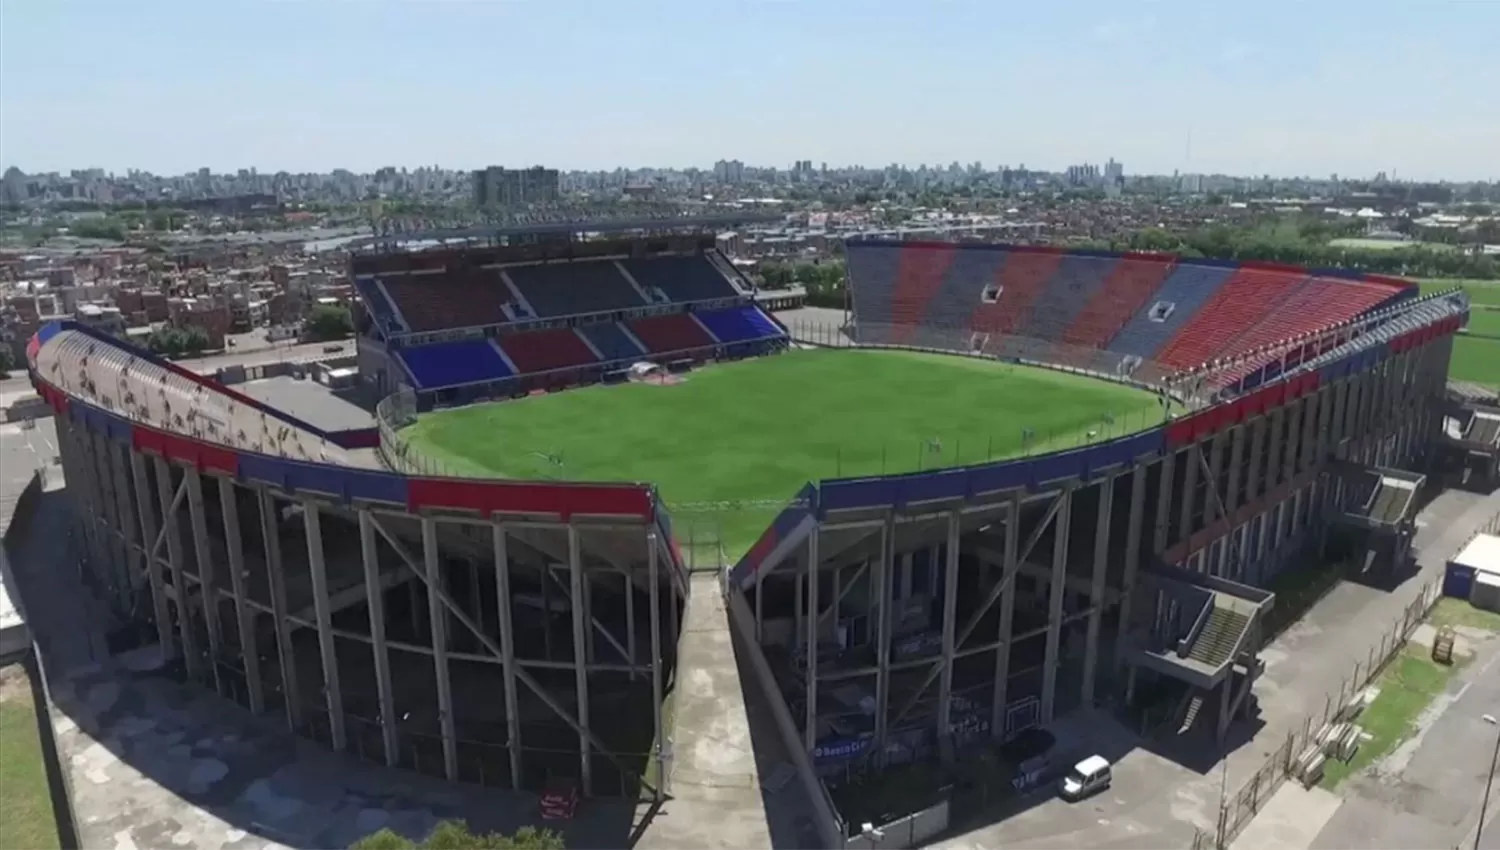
1091	765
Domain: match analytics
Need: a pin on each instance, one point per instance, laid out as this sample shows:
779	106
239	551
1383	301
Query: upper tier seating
920	272
1124	291
669	333
381	308
1320	303
1187	288
952	307
462	299
546	350
612	342
566	289
1077	279
1241	302
872	275
447	364
1022	279
682	279
739	324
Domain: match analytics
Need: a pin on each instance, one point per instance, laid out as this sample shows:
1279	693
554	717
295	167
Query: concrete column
1214	497
1055	603
130	527
656	687
880	581
318	569
180	588
580	658
286	653
950	614
1308	447
505	620
437	619
1189	491
116	565
1253	477
1236	468
1164	503
244	613
810	722
1096	586
1275	448
208	585
380	653
1294	439
1007	614
1132	558
159	609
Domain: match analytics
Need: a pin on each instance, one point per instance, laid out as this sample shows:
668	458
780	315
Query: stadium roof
584	223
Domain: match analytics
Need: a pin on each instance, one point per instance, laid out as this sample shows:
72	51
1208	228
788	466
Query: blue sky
1320	86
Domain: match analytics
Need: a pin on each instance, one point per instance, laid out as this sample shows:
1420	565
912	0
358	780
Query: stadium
1024	481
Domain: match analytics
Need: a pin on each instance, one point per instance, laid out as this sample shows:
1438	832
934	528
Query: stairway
1194	706
1219	637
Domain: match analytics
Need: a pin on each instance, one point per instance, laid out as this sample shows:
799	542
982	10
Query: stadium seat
1187	289
739	324
462	299
546	351
673	332
681	279
1123	292
1246	298
1022	278
952	305
568	289
379	304
611	341
872	281
920	272
448	364
1318	304
1077	279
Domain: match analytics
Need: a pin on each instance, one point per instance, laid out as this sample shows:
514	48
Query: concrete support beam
1133	533
659	753
1102	519
810	721
438	621
208	585
159	610
318	569
1189	491
1164	503
950	614
1253	477
244	613
881	590
505	619
1057	592
173	534
380	653
580	658
286	653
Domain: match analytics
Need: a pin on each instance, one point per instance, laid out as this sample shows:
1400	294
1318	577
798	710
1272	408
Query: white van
1087	777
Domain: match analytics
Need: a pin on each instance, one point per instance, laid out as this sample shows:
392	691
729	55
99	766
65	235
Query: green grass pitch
733	442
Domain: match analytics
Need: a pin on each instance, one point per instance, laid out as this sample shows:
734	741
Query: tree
455	835
329	322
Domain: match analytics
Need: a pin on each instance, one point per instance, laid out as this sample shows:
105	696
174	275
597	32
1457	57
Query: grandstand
897	610
466	323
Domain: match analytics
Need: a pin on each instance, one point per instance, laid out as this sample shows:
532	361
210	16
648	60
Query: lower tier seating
674	332
546	351
612	342
447	364
1245	299
739	324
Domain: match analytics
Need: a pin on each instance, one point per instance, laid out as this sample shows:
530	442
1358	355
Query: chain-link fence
1237	810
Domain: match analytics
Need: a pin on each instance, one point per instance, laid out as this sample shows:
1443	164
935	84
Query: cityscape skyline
308	88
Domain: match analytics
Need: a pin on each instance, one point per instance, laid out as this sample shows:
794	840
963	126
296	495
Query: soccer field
750	433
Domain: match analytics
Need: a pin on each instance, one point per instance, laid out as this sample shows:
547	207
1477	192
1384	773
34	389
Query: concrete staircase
1220	635
1195	705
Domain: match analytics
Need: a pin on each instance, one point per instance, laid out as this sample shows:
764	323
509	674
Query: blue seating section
682	279
448	364
1074	283
613	343
568	289
873	270
952	306
739	324
1190	286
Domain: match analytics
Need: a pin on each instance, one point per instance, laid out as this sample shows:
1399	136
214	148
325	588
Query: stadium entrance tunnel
509	651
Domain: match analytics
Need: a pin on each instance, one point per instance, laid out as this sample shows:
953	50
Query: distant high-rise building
498	186
1114	172
729	172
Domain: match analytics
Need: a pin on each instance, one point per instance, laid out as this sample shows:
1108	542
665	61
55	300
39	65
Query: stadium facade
506	632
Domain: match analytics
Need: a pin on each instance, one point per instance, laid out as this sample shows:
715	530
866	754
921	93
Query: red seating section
1242	301
674	332
546	351
1125	291
435	302
918	276
1322	302
1022	278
